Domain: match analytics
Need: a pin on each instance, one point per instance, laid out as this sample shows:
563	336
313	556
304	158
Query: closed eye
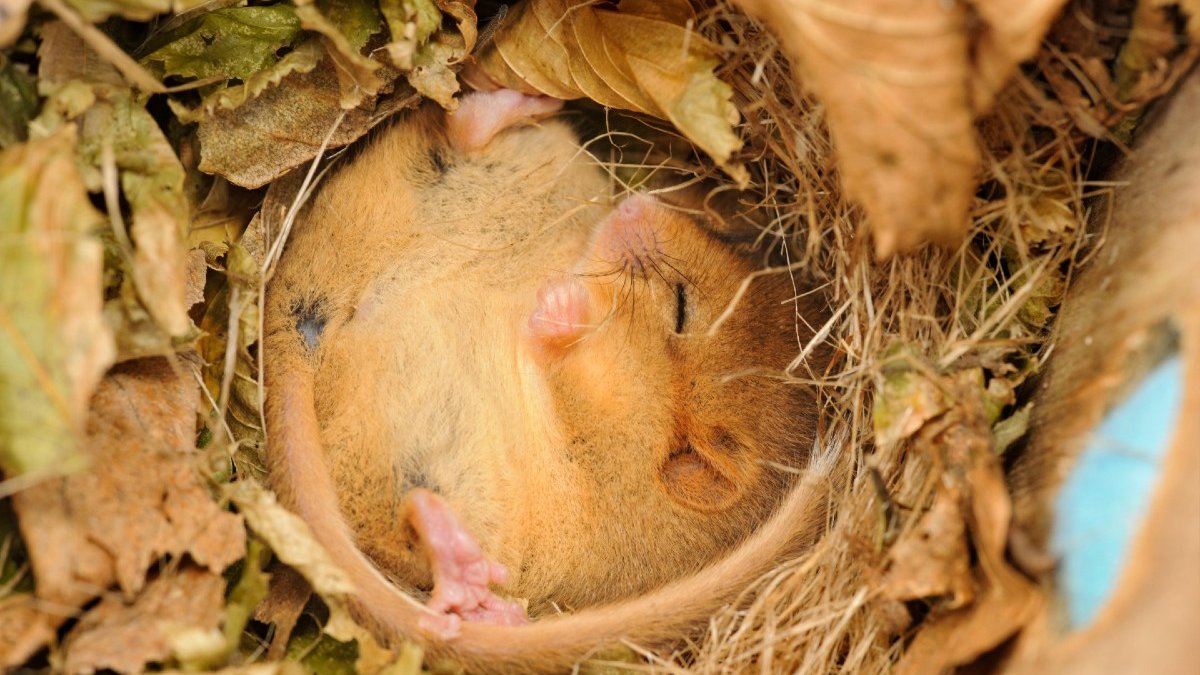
680	308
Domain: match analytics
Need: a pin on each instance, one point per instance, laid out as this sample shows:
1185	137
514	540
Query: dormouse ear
483	114
729	215
702	474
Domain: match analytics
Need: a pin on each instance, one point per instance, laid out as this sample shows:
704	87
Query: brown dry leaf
142	499
24	629
932	559
1005	601
432	74
125	636
196	270
902	85
645	57
1147	66
286	597
284	127
429	57
62	58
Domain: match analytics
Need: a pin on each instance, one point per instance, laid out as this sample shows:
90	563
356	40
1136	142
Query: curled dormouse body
482	373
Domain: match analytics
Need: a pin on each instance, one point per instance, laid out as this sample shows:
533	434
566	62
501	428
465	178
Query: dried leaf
431	75
18	102
293	543
289	537
284	603
902	85
233	315
116	132
284	127
932	559
24	629
907	397
196	274
644	57
411	23
1005	601
124	637
142	498
345	27
234	42
54	344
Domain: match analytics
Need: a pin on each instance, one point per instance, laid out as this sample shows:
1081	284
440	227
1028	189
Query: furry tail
300	476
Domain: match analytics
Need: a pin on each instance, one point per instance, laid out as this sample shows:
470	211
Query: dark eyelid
680	308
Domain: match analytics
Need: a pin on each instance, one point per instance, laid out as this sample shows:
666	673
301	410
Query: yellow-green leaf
54	344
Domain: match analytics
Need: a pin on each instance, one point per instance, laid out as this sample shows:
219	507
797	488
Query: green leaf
251	588
235	42
54	344
358	20
321	654
1010	429
345	28
18	102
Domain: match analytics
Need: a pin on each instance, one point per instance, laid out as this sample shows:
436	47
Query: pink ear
483	114
562	313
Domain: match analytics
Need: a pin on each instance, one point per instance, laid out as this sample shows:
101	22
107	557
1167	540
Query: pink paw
561	316
461	573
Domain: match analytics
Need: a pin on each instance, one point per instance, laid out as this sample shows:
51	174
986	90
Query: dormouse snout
627	238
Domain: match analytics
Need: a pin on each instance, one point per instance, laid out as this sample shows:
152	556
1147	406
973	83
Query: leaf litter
132	151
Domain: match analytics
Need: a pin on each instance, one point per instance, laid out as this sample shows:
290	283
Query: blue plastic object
1102	504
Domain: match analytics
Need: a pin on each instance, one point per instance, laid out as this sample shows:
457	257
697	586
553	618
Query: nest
974	319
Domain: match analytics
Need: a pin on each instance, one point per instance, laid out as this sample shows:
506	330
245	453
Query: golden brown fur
398	355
